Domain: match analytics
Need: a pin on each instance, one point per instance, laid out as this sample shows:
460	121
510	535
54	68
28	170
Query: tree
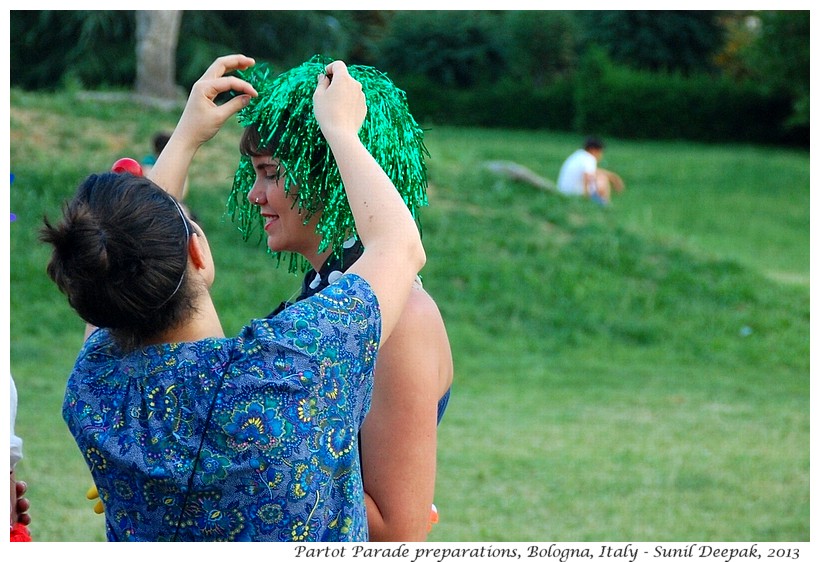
157	35
778	59
540	44
80	49
451	48
660	40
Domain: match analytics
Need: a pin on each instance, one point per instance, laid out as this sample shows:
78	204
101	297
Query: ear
196	252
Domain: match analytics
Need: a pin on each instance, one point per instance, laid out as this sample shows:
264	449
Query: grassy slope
634	373
620	398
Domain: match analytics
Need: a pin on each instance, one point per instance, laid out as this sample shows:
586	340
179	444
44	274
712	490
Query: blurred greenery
638	372
528	54
657	40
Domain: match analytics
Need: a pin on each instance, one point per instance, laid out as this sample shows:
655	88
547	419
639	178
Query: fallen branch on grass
518	172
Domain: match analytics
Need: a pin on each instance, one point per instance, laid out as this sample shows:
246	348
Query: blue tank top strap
442	405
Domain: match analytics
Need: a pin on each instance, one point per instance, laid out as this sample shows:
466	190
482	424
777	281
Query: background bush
619	101
692	75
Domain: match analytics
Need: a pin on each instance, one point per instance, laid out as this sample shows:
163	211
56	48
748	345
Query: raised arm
393	252
201	120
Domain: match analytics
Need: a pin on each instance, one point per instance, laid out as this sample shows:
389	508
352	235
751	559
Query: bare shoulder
420	314
419	342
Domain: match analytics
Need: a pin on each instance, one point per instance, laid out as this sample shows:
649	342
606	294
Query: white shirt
571	176
16	444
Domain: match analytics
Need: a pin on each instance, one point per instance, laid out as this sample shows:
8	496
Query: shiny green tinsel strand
283	112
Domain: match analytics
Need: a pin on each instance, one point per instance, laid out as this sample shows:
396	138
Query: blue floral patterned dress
234	439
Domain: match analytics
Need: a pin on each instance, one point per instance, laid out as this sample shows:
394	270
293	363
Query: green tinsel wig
283	115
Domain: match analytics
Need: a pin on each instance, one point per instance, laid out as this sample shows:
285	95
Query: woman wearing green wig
288	183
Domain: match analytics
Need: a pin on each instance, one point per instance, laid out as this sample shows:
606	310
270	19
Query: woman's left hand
202	117
201	120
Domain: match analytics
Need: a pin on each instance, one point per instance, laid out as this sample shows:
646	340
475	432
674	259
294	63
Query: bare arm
399	433
200	121
589	183
393	252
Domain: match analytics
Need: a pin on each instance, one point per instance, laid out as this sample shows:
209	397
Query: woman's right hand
339	103
393	252
23	503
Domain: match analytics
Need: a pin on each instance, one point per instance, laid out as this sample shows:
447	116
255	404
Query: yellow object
93	494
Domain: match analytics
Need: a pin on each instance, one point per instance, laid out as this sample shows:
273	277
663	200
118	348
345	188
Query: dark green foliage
502	104
615	100
54	49
779	59
284	38
656	40
540	46
454	49
97	48
638	74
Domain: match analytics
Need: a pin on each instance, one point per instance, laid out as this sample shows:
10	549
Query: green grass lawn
632	373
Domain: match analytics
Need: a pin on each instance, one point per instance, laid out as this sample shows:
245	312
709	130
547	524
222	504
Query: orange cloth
433	517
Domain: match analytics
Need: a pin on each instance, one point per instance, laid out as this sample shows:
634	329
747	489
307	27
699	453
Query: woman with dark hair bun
120	256
191	435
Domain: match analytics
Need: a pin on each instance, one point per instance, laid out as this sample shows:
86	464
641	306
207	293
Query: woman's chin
275	245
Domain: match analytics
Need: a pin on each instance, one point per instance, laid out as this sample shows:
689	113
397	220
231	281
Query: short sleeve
590	163
346	311
331	337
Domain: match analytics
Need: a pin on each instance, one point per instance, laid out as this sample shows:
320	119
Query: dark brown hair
593	143
120	254
252	144
159	141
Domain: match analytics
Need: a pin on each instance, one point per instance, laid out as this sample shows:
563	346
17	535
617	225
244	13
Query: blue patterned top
279	406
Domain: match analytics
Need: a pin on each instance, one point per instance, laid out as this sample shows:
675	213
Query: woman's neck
203	323
317	260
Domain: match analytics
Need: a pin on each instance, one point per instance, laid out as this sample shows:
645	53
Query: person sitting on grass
581	176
